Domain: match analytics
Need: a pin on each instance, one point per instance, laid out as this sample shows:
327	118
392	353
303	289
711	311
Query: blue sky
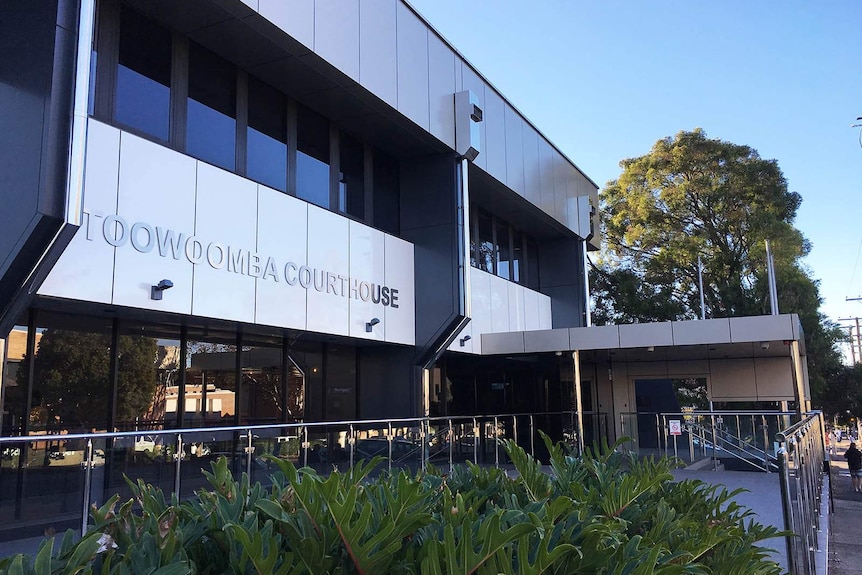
605	79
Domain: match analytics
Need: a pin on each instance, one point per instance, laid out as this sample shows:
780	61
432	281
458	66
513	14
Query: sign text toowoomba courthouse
168	243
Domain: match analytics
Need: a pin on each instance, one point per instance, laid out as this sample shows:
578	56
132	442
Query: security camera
156	290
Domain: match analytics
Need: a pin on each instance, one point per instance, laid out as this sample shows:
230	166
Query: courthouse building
222	212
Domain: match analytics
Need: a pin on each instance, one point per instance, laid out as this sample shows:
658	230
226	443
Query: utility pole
855	344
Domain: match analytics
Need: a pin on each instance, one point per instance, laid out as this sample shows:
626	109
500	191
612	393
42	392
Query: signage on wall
167	243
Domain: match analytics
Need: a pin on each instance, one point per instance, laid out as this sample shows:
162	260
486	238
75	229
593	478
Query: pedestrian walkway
845	533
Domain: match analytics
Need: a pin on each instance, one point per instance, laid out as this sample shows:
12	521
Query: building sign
675	427
168	243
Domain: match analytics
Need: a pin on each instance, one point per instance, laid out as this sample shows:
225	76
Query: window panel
503	251
517	256
267	135
312	157
211	123
386	192
485	256
144	75
351	181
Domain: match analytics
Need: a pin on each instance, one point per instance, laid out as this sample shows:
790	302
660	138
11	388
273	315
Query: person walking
854	463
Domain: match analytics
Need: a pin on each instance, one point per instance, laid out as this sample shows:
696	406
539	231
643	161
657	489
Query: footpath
845	530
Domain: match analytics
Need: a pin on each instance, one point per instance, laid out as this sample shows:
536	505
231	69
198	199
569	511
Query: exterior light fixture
156	290
764	345
465	339
651	348
370	325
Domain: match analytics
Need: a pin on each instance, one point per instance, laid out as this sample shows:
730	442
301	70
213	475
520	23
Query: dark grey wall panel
387	385
441	90
336	34
561	189
560	277
532	174
471	81
412	66
37	62
378	65
546	171
296	17
514	150
429	221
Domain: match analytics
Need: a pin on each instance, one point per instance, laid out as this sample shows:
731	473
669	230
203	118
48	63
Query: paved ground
845	535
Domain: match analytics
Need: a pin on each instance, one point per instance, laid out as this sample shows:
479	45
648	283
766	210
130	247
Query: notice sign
675	427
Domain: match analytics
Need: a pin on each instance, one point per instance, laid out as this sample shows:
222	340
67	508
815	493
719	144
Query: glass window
210	393
485	256
351	180
267	135
386	186
312	157
503	250
211	134
144	75
532	265
517	256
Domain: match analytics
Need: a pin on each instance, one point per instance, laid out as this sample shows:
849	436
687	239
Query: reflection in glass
211	127
144	75
517	256
486	243
210	393
267	135
312	157
503	251
351	181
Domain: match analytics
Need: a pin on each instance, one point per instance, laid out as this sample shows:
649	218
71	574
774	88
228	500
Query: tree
72	383
694	196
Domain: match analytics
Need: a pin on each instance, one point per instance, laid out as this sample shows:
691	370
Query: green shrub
607	513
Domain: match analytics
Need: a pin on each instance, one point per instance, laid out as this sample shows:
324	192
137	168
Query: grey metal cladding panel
572	213
562	173
532	173
336	34
597	337
296	17
378	65
459	81
471	81
761	328
494	147
546	173
546	340
412	46
514	150
497	343
441	89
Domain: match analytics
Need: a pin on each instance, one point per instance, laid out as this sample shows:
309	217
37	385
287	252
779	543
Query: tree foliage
692	196
72	383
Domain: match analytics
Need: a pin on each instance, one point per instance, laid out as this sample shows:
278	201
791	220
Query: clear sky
605	79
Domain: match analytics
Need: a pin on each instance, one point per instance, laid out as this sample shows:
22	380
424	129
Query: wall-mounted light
651	348
764	345
465	339
370	325
157	290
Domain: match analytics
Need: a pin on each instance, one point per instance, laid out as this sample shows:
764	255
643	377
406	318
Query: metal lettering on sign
144	237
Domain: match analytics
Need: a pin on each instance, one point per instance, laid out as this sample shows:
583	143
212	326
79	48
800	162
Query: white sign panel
232	249
675	427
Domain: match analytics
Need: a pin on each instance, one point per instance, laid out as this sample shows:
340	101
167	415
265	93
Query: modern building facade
265	211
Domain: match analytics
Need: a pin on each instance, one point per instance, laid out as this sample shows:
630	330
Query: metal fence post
389	442
475	441
496	442
451	444
88	473
532	436
178	456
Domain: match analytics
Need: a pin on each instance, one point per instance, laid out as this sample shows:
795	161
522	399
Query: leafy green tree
72	378
692	196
